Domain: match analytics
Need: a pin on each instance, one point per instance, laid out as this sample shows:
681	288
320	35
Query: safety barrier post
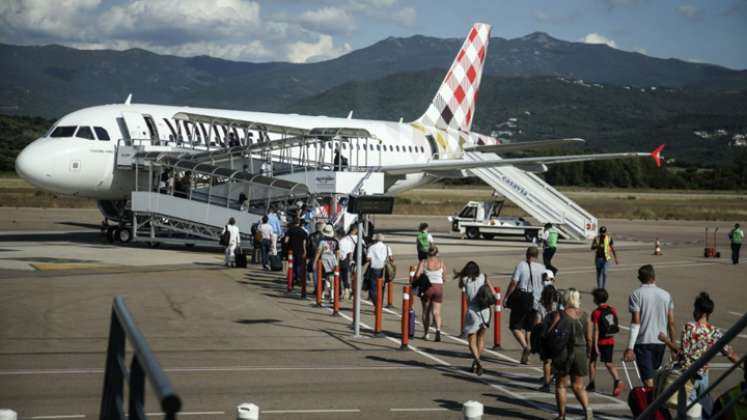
379	304
353	283
497	320
290	270
390	293
319	285
405	318
463	313
336	293
304	279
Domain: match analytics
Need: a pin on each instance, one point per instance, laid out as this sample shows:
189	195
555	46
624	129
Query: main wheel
124	234
488	236
110	234
473	233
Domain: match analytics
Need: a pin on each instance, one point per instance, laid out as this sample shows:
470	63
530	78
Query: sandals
478	368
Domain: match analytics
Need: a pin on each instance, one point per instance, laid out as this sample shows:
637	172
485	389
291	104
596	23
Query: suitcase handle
627	375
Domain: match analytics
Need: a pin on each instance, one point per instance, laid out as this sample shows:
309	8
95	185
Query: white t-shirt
266	230
347	245
234	239
377	253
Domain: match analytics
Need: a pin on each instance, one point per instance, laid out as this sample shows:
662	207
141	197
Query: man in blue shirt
274	221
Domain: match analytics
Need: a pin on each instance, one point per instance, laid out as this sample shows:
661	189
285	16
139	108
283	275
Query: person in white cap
377	256
328	251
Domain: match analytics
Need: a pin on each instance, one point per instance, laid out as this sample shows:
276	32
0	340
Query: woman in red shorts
435	270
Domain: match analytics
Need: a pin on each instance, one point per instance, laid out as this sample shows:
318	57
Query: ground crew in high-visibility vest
550	241
604	248
736	236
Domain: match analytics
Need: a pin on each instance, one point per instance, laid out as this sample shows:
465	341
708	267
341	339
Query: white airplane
77	155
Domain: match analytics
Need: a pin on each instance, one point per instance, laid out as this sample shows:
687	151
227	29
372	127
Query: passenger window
101	133
85	133
64	131
378	147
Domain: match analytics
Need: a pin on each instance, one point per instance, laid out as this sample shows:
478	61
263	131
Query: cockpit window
85	133
63	131
101	133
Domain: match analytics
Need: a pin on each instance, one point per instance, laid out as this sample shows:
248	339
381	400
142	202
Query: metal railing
679	383
144	364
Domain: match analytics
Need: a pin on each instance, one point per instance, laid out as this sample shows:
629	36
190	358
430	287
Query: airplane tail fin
454	103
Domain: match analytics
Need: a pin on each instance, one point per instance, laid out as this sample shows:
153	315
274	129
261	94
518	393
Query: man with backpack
523	298
328	252
605	325
651	310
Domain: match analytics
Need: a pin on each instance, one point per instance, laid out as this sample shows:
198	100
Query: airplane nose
25	166
34	163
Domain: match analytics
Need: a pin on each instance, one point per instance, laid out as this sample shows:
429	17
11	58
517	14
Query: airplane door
136	125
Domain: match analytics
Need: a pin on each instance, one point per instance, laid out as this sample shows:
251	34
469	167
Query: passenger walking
550	246
651	310
328	251
572	362
604	248
377	256
348	245
423	242
265	231
311	247
604	322
234	241
550	302
273	218
296	238
697	337
435	269
523	296
478	319
735	237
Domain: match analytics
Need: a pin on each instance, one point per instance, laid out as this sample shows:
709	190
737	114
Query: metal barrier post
319	285
379	303
304	277
390	293
290	270
114	378
405	318
497	320
463	313
336	293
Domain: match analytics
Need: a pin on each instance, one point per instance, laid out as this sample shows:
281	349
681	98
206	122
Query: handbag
225	237
390	270
664	378
420	285
521	299
485	297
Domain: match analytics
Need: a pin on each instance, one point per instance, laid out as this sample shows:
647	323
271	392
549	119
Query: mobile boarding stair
536	197
195	206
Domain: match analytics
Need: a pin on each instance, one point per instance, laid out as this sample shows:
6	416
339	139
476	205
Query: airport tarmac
227	336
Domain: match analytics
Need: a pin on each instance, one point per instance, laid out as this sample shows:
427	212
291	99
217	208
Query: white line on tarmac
191	413
736	313
424	409
319	411
209	369
69	416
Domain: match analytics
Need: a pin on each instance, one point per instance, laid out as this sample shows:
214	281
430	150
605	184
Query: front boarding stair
536	197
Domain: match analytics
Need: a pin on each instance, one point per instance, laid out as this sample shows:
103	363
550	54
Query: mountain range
616	99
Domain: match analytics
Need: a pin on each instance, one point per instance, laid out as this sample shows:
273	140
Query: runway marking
424	409
736	313
673	264
210	369
63	416
191	413
311	411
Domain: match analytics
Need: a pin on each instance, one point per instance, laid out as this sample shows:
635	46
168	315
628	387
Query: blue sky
711	31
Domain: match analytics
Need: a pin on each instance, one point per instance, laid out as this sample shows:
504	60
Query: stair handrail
679	383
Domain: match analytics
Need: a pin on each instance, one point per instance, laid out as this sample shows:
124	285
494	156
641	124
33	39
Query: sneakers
619	388
589	414
347	294
591	387
438	336
525	356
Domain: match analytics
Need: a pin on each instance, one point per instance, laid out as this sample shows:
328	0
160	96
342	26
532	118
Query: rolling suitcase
240	258
276	264
411	319
641	396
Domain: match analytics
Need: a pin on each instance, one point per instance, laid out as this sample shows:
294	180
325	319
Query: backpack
558	337
422	240
329	256
225	237
608	323
256	234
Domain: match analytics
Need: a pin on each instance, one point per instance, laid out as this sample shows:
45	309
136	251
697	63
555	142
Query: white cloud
688	10
323	49
406	16
641	51
328	20
595	38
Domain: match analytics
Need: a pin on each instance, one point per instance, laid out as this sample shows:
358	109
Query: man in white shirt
234	240
526	282
347	257
266	243
377	256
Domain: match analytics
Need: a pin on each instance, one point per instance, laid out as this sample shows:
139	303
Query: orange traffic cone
657	247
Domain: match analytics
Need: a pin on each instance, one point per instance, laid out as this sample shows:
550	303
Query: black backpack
558	338
608	323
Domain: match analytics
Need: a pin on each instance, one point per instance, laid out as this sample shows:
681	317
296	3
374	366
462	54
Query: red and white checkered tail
454	104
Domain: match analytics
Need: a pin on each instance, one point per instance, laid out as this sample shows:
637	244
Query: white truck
483	218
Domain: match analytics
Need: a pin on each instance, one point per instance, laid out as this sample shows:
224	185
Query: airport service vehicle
483	218
232	163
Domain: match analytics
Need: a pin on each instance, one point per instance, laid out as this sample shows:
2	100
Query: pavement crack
172	304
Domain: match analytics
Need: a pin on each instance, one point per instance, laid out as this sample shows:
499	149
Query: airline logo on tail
454	104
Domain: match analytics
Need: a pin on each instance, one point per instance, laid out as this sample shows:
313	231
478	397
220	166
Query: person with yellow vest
604	248
736	236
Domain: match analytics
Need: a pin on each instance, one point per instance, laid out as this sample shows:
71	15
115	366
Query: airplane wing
523	145
317	132
436	166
